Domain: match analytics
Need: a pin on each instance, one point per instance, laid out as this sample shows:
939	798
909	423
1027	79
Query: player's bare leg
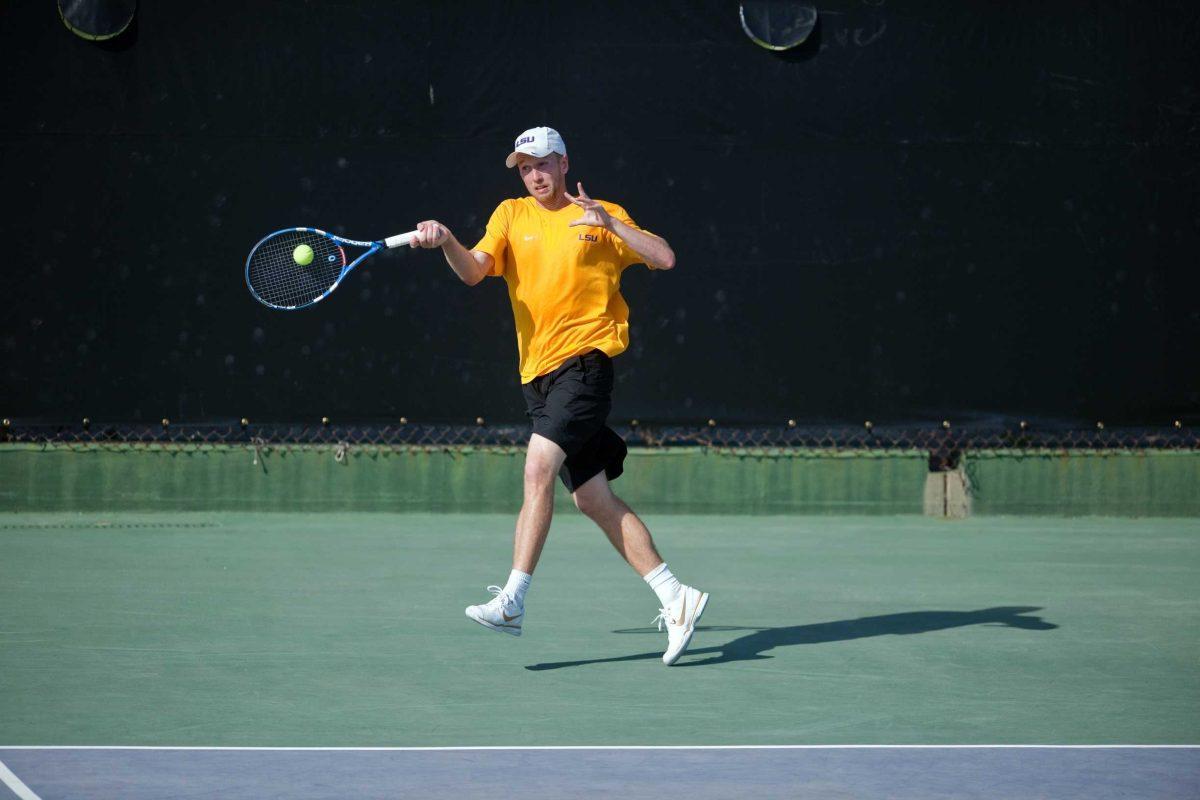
628	534
543	460
505	612
681	605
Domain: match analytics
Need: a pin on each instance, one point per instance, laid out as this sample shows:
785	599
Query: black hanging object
777	24
97	20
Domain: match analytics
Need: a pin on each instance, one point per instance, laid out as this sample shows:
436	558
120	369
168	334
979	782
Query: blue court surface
920	773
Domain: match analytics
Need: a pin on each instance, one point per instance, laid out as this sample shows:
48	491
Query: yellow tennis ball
303	255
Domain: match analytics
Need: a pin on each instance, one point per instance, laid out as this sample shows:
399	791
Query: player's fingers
582	193
427	233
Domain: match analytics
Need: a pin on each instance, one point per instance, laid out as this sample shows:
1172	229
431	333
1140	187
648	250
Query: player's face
545	177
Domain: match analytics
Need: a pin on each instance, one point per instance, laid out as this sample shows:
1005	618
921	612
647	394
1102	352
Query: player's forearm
654	249
463	262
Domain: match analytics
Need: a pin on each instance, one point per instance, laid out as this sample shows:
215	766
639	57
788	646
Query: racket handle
400	240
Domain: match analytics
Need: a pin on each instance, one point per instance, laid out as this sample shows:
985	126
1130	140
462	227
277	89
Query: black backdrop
930	210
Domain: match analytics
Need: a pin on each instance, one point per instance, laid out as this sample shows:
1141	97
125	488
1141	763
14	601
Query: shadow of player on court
752	646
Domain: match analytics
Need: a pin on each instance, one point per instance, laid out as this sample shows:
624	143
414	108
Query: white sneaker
501	613
681	619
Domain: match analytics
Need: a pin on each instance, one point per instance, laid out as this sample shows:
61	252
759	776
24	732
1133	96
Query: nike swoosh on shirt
530	238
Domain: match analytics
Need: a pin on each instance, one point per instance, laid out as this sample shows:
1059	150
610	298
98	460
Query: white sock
518	584
664	584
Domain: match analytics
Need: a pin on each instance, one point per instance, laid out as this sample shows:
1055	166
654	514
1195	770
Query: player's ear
562	163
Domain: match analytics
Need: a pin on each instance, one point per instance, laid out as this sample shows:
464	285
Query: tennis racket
280	275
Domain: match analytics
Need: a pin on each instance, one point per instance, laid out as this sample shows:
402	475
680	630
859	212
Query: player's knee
593	502
584	502
538	474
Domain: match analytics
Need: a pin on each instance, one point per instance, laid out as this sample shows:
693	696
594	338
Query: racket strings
278	280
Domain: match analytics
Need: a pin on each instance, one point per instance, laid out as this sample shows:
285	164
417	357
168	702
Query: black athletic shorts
570	406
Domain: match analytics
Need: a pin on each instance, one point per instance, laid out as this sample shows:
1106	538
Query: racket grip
399	240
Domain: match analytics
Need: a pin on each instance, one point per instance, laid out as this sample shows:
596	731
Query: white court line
626	747
16	784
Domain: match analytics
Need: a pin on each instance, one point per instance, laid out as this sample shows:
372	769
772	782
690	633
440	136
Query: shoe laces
502	596
664	618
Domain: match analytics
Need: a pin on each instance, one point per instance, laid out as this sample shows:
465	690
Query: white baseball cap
536	142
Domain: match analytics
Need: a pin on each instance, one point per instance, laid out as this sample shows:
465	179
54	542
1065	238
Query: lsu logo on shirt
588	237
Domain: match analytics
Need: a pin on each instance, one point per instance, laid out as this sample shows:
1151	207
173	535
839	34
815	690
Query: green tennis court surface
347	630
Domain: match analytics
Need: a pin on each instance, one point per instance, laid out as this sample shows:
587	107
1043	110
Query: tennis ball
303	255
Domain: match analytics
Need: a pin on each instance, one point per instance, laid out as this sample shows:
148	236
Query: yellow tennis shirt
564	283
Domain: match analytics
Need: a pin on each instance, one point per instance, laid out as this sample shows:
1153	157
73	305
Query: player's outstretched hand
430	234
593	213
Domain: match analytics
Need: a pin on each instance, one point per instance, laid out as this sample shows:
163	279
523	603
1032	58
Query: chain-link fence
943	442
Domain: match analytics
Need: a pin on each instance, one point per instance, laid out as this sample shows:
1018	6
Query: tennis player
563	270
